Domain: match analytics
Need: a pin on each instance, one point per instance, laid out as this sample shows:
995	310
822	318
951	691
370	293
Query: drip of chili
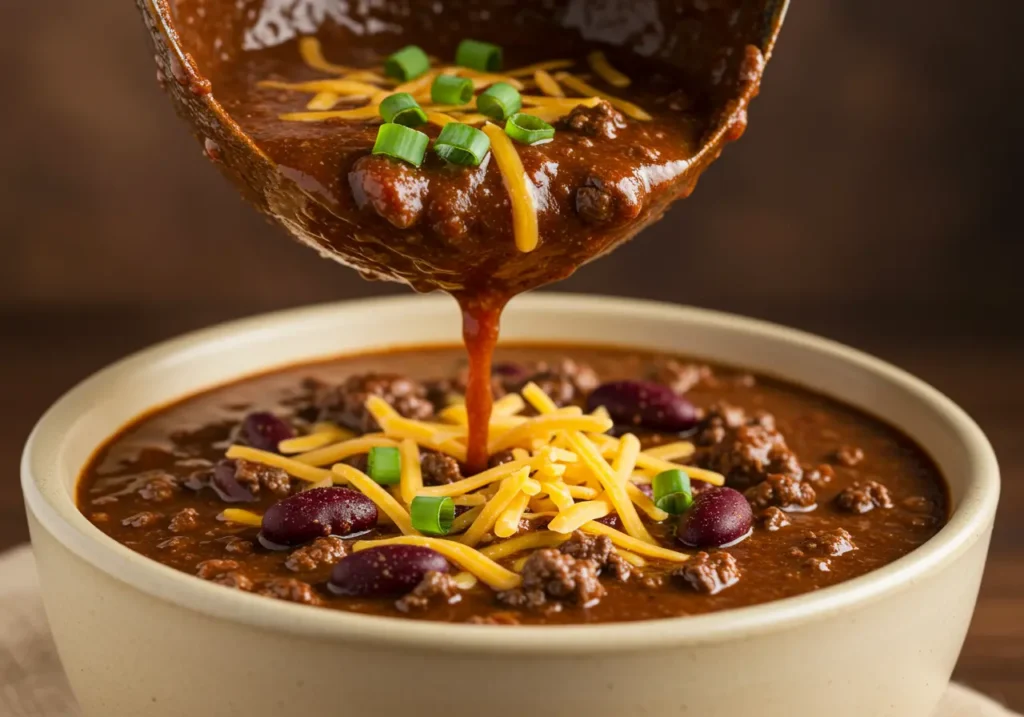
481	320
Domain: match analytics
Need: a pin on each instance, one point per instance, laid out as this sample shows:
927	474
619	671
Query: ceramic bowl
138	638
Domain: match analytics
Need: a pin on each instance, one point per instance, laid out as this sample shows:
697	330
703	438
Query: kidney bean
264	431
314	513
226	484
644	403
385	570
719	516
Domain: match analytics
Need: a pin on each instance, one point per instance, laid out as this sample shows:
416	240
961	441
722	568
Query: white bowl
138	638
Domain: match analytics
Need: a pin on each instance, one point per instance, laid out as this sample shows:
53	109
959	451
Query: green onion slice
528	129
384	463
402	109
461	144
499	101
451	90
432	515
401	142
407	64
672	491
476	55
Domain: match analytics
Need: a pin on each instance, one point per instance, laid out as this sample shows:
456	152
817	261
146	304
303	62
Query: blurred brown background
873	200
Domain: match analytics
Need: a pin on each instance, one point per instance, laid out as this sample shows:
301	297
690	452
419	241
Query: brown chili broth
814	426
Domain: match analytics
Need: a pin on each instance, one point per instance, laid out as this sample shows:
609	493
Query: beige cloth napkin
32	682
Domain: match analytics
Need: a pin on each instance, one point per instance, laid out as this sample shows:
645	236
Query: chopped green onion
476	55
528	129
432	515
401	142
402	109
384	464
461	144
672	491
499	101
451	90
407	64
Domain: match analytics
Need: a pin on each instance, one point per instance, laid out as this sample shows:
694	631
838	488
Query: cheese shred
520	189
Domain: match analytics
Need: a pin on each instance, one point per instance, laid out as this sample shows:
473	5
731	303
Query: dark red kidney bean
264	431
719	516
225	483
385	570
611	520
645	404
311	514
647	489
506	369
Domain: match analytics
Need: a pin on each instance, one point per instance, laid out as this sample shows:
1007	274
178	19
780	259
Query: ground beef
848	456
501	458
681	377
236	480
744	449
594	203
600	550
238	546
825	544
259	476
495	618
177	545
209	569
233	579
184	521
709	573
145	519
289	589
392	189
564	382
773	519
439	468
782	491
601	120
435	587
159	489
346	403
320	553
864	497
819	477
552	575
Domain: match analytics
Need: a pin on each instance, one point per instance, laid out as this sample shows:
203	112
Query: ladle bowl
196	41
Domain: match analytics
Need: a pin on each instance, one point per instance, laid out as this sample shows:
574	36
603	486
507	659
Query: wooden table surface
46	351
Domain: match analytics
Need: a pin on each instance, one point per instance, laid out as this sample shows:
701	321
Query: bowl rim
58	515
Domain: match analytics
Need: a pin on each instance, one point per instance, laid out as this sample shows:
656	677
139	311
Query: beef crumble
778	559
435	587
552	576
346	403
863	497
709	573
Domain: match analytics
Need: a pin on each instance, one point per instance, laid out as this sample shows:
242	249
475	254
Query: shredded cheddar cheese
548	84
384	500
519	187
543	66
494	507
322	435
630	543
312	55
628	108
530	541
603	69
507	524
242	517
412	476
331	454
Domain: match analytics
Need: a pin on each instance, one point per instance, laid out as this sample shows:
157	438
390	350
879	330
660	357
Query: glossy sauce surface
177	441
